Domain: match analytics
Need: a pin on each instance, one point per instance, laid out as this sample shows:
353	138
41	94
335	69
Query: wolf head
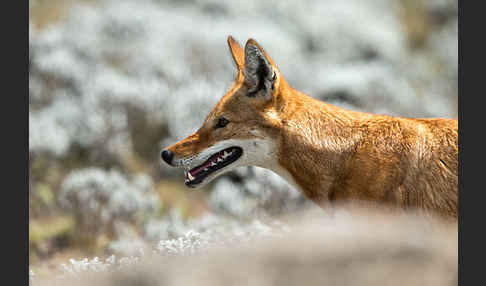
242	128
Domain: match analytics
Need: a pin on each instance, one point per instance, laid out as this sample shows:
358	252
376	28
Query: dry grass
46	235
44	13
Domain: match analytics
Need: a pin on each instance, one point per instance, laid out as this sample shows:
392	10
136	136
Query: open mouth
217	161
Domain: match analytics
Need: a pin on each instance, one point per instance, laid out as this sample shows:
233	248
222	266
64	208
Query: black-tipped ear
259	72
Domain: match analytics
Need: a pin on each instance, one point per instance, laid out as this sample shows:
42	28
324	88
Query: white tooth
205	169
213	164
225	154
190	176
220	160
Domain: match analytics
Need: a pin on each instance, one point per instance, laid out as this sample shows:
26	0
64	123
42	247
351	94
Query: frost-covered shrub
100	198
253	191
128	245
173	226
84	267
187	244
88	265
211	231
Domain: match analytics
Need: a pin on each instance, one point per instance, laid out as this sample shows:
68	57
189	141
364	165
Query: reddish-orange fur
337	155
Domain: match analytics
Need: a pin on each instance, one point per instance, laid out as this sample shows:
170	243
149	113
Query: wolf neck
314	143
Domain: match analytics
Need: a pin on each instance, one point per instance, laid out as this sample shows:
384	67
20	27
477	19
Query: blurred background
112	82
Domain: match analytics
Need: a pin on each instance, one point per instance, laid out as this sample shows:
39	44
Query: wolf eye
222	122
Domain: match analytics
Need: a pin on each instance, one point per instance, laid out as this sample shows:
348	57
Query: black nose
167	156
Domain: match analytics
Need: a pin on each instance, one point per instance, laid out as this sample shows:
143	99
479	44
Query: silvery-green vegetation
116	81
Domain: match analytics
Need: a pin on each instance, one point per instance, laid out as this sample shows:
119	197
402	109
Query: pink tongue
198	170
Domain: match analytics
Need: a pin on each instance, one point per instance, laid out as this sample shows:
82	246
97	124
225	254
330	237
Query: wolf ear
237	53
260	72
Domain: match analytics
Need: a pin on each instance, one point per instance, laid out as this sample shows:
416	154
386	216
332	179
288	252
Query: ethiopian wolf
330	154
